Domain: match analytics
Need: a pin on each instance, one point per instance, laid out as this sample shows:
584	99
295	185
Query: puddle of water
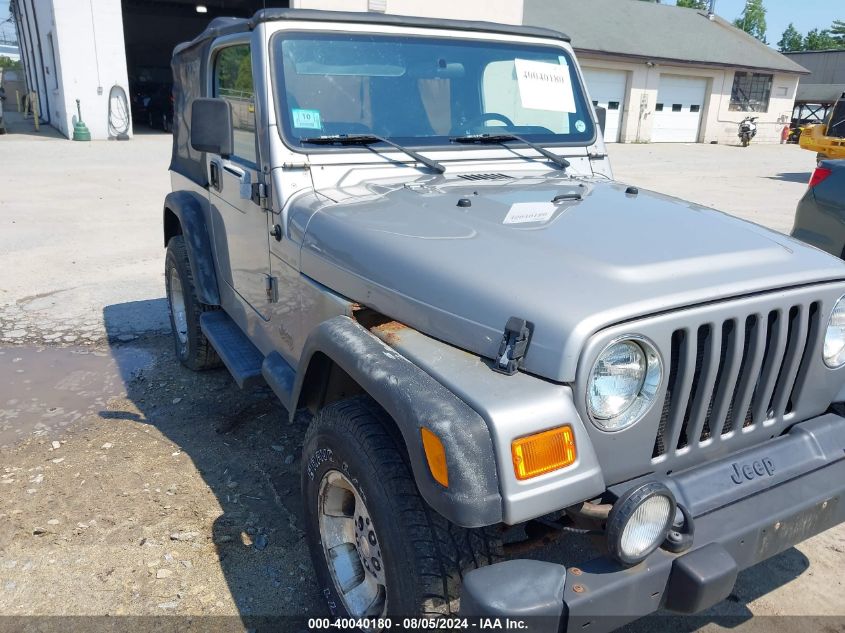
44	389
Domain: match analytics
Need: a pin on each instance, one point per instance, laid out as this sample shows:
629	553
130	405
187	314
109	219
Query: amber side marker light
541	453
435	455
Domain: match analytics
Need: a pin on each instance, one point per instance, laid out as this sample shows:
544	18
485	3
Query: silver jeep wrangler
411	227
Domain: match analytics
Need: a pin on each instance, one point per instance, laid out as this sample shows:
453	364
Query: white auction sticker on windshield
524	212
544	86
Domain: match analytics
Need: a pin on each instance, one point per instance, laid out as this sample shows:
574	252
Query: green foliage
837	30
243	81
791	40
820	40
702	5
8	62
234	70
752	20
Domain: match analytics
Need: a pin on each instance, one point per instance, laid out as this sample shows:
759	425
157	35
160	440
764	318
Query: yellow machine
828	138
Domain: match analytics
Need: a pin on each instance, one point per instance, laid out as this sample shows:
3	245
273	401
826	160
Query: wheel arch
185	214
341	359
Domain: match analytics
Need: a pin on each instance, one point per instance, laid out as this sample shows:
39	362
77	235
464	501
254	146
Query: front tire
378	549
192	347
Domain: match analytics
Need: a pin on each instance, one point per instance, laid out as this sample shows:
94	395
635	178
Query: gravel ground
179	495
131	486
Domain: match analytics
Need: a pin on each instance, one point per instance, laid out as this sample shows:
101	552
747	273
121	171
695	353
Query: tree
837	30
817	40
791	40
8	62
701	5
752	20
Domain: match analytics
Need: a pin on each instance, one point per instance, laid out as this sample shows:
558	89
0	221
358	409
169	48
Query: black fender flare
414	399
191	210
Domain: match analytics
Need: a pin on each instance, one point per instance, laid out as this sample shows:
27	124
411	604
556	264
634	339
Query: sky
7	29
805	14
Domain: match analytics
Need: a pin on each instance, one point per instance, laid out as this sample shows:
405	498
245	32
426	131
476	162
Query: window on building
658	107
694	108
233	82
677	107
750	92
612	105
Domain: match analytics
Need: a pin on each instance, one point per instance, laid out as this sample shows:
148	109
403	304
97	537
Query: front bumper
737	524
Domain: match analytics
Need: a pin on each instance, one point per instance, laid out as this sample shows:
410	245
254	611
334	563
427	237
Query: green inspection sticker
308	119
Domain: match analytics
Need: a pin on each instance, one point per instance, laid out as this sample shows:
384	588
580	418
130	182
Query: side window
233	82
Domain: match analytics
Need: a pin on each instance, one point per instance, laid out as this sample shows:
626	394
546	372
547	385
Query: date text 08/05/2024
419	624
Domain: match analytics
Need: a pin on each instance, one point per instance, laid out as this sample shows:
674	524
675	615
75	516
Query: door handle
237	172
244	179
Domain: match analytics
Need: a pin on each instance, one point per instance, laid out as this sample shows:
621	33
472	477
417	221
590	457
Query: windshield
426	90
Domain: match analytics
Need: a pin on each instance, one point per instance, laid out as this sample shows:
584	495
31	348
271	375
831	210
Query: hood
455	259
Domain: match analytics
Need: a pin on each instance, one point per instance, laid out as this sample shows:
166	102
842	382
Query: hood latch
513	346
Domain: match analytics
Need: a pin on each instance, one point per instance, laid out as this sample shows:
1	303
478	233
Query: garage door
607	89
677	116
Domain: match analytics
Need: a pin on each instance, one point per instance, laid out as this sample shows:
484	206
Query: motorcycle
747	130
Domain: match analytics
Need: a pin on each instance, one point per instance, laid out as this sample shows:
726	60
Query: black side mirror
211	127
601	115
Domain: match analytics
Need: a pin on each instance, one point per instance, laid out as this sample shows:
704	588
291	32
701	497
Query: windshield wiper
369	139
560	161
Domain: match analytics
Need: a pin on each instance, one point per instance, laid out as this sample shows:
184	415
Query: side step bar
241	357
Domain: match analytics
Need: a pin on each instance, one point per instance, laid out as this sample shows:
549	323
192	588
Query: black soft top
190	58
226	26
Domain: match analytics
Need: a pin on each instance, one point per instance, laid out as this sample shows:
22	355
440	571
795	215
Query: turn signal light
435	455
541	453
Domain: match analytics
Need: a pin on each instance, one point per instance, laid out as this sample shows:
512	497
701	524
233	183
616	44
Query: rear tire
192	347
412	560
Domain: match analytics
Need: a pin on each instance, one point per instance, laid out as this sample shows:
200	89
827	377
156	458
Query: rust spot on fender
390	332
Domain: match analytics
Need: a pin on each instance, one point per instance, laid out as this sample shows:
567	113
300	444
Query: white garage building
669	74
664	74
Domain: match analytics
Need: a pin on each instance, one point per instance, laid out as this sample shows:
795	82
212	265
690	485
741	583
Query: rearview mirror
211	127
601	115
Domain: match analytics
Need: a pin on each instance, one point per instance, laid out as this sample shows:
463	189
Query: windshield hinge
305	166
596	156
259	194
271	287
514	344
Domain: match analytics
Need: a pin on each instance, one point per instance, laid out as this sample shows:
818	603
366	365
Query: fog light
639	521
541	453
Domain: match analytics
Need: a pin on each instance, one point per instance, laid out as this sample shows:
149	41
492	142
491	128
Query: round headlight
834	337
639	522
623	383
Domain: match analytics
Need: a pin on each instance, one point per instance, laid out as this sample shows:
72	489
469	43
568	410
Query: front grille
731	377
